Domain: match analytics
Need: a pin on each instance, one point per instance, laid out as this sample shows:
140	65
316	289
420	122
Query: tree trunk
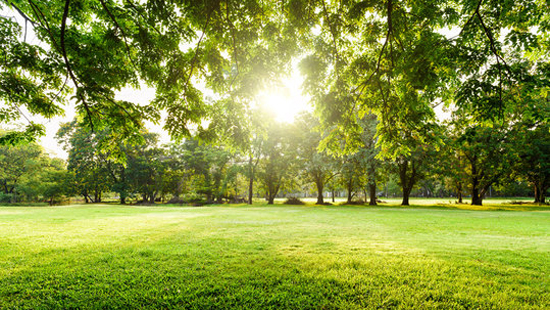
406	195
271	196
476	197
333	194
372	183
320	186
122	199
459	192
251	180
372	193
407	181
97	196
250	190
540	193
405	201
350	196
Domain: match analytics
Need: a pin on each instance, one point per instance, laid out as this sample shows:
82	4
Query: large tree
88	165
91	49
146	169
318	167
279	160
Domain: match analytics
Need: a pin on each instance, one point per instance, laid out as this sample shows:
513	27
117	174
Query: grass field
276	257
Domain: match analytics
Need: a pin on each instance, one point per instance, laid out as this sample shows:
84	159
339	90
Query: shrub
6	198
293	201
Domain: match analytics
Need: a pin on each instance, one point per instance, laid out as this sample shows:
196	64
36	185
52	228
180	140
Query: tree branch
197	49
68	65
234	46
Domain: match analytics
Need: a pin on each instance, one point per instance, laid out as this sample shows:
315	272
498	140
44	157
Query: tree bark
350	195
319	183
407	181
250	189
540	192
476	196
372	194
405	201
251	180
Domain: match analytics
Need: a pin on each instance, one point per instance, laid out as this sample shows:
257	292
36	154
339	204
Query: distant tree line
284	160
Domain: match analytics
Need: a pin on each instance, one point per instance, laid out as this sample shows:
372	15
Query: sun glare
287	100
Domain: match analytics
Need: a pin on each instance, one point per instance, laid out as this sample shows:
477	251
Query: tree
278	161
16	164
484	152
534	163
94	48
55	181
452	165
391	57
318	167
145	169
529	125
368	152
211	167
491	140
350	176
88	165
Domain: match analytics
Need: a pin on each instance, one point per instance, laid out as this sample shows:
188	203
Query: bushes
6	198
293	201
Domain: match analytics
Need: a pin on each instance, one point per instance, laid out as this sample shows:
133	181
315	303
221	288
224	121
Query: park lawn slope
272	257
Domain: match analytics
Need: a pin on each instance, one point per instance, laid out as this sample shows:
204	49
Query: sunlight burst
287	100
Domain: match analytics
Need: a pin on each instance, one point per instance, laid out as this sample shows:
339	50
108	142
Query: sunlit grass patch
273	257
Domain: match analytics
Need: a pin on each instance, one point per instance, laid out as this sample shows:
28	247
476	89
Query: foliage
89	167
28	174
55	182
17	165
278	162
317	166
95	48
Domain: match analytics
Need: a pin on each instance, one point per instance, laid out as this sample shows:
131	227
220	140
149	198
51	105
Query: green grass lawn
276	257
